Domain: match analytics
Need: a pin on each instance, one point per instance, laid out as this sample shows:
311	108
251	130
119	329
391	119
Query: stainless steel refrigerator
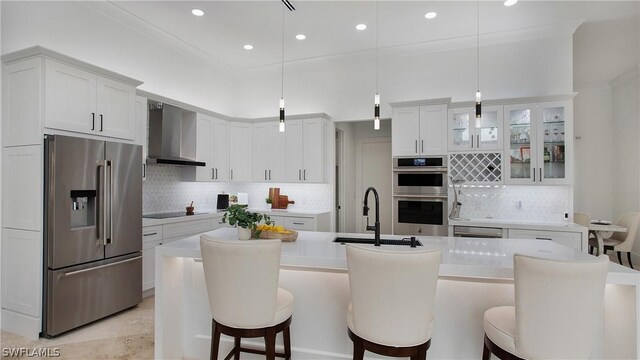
93	231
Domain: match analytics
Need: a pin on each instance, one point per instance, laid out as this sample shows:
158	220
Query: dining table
602	231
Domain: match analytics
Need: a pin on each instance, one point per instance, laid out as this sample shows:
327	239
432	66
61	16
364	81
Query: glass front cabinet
468	133
538	139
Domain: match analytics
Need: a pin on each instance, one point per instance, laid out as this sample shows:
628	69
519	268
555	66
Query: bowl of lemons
272	231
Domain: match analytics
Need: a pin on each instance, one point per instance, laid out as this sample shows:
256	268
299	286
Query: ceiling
330	25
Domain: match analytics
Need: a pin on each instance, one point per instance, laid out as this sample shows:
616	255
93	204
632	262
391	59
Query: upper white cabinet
21	103
536	137
468	133
82	101
305	147
212	148
143	129
419	130
269	152
240	151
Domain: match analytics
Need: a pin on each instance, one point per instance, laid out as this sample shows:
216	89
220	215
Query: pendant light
478	94
376	98
281	124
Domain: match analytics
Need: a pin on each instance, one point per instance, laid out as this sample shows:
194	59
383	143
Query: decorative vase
244	233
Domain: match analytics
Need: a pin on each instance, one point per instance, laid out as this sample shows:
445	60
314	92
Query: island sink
348	240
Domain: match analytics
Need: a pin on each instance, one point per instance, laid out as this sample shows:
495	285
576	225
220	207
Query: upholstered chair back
392	293
629	220
242	280
559	307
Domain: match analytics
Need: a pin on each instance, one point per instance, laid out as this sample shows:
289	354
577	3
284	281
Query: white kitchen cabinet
305	149
277	220
466	133
22	271
570	239
299	223
143	129
535	136
149	264
212	148
22	178
419	130
269	152
240	152
21	104
82	101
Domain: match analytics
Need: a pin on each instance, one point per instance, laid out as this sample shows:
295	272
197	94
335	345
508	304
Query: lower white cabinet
22	271
300	223
149	264
570	239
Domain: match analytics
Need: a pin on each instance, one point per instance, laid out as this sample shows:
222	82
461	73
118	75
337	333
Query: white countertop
519	224
461	257
218	214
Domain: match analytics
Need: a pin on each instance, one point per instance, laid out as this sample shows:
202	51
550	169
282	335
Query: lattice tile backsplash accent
476	168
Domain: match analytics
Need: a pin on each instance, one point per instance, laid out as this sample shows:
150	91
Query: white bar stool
392	296
558	312
244	297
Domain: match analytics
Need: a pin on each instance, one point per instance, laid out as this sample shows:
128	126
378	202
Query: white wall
626	118
79	31
344	87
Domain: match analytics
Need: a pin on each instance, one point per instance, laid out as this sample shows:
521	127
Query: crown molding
592	87
426	102
628	75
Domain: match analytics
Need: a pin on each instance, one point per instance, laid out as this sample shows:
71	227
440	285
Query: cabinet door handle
93	121
540	174
265	174
544	238
216	173
231	174
269	174
144	170
472	141
213	174
299	174
416	146
101	122
422	144
304	176
478	141
298	223
534	174
149	234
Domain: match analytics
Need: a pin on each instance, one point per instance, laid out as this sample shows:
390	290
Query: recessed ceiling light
301	37
361	27
197	12
431	15
248	47
510	2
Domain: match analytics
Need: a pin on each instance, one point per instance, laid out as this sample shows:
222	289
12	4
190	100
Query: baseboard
148	293
21	324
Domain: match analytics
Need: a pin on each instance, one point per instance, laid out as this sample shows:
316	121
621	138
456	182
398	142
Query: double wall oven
420	196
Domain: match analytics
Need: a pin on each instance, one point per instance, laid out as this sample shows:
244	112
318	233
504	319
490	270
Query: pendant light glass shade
478	109
478	94
281	123
376	98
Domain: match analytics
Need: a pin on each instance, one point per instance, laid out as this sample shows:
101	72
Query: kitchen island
475	275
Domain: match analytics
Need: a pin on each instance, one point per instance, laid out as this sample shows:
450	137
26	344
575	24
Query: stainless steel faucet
365	212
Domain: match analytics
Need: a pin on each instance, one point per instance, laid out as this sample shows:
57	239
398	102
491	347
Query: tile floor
127	335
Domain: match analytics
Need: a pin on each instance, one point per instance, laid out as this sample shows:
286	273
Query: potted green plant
245	220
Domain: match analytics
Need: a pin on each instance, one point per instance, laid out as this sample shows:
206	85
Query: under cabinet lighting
197	12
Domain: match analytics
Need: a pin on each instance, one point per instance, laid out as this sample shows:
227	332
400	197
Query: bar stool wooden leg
236	346
629	258
358	350
270	344
215	340
486	353
286	335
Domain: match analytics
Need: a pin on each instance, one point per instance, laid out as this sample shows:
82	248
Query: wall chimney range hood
171	138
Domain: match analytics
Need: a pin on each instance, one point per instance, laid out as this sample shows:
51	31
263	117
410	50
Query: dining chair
244	297
558	312
621	241
392	297
581	218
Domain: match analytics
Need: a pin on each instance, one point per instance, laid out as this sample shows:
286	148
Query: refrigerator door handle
101	266
108	214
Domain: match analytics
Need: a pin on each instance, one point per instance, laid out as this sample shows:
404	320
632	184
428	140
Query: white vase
244	233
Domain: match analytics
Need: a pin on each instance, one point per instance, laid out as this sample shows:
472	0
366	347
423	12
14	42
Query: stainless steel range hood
167	137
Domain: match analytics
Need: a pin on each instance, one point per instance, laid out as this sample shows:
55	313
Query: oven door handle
426	197
436	169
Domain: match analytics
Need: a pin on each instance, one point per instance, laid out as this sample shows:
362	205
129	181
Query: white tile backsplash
163	191
538	203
